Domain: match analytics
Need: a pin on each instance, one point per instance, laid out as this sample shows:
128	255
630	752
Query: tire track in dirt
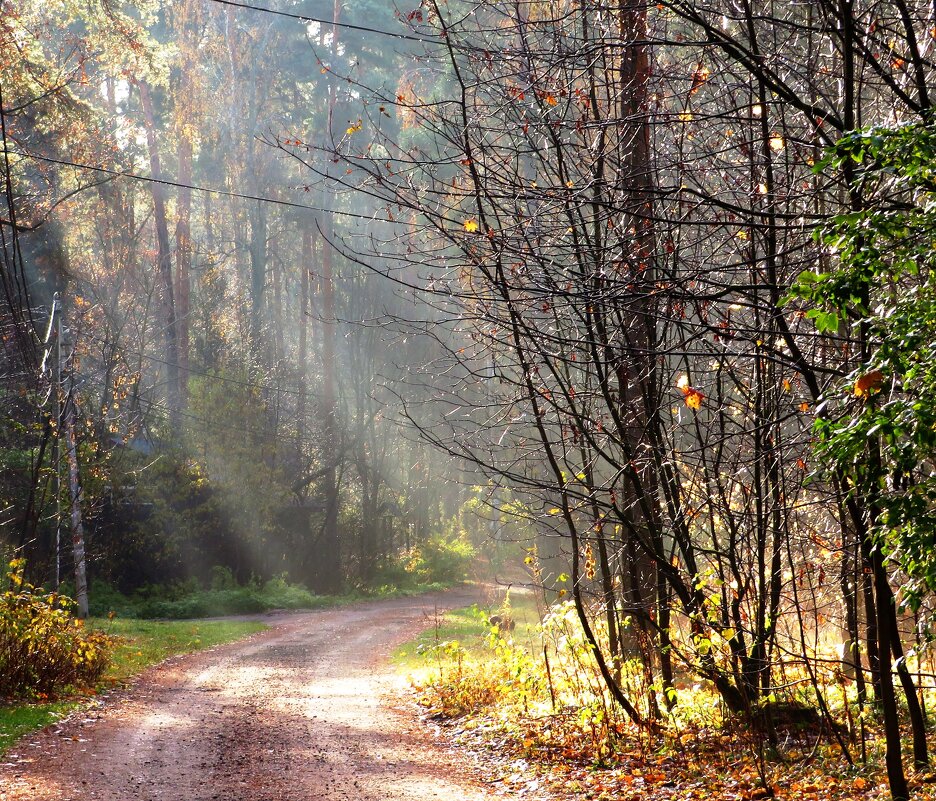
292	714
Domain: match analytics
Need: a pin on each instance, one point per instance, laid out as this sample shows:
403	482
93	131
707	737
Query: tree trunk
163	261
184	260
258	266
892	756
329	544
914	709
305	270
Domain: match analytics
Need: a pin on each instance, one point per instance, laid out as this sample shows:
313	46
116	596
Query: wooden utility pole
74	486
65	426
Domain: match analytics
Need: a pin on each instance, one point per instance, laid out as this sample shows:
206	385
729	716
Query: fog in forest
600	300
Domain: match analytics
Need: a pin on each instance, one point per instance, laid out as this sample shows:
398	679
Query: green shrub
103	599
183	600
279	594
44	650
441	559
222	578
207	603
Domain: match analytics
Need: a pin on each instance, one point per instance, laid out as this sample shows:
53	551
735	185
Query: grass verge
467	633
143	643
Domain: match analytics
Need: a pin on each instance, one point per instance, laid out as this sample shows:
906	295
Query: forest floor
309	709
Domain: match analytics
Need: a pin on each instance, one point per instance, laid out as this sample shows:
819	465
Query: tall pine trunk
163	261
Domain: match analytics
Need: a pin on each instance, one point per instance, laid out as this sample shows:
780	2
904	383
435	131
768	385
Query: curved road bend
292	714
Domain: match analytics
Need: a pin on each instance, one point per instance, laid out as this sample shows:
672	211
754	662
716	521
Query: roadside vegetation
135	646
516	682
52	662
223	595
436	566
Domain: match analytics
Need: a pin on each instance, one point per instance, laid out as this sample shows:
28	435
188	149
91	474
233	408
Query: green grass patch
142	643
470	629
147	642
17	721
467	626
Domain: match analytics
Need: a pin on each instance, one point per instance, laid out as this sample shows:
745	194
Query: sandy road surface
296	713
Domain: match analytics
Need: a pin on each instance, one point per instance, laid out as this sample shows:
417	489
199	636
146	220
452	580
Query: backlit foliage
44	649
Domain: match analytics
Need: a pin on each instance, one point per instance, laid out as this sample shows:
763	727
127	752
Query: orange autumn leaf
691	395
868	383
694	398
699	77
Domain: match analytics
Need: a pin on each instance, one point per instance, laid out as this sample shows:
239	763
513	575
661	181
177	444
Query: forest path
303	711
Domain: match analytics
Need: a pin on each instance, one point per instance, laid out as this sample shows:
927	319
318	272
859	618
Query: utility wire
346	25
177	184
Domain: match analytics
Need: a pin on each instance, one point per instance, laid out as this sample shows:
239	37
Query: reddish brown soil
304	711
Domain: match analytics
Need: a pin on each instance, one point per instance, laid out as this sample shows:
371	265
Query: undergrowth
44	649
186	600
535	703
189	599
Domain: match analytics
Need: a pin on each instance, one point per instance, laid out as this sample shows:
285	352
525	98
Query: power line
346	25
178	185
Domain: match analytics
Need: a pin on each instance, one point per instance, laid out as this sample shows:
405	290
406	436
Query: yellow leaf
471	226
555	511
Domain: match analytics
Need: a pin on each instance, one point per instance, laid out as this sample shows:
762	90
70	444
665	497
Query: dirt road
300	712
